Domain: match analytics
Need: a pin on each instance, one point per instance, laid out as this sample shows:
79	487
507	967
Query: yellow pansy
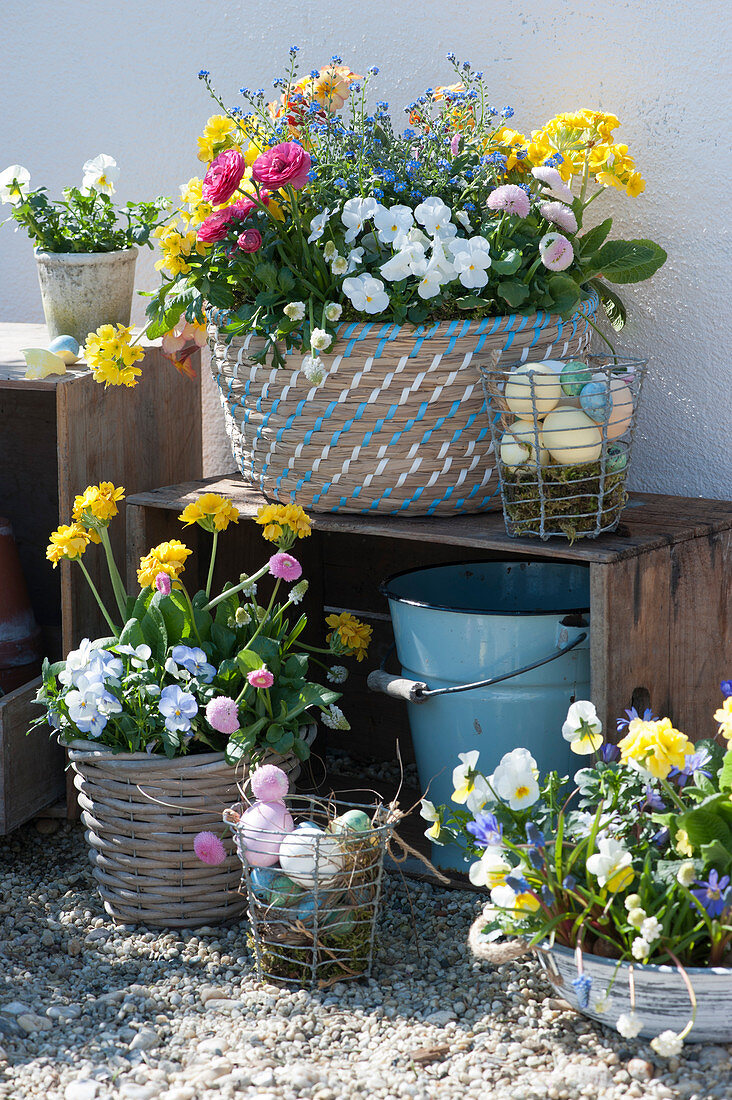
168	557
67	543
210	511
682	844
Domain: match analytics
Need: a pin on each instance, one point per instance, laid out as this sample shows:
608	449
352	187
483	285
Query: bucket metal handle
416	691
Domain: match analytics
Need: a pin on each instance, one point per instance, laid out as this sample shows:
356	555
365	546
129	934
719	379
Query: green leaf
725	775
716	855
565	293
153	628
508	264
274	733
224	639
471	301
593	238
248	660
628	261
297	630
228	674
513	291
132	634
704	826
301	748
612	303
285	743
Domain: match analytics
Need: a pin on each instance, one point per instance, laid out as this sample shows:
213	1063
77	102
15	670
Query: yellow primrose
111	355
205	150
100	501
724	716
168	557
350	634
67	543
218	128
210	511
682	843
654	746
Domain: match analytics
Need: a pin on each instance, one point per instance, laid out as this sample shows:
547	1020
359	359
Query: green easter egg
284	892
338	925
575	374
67	348
355	821
617	458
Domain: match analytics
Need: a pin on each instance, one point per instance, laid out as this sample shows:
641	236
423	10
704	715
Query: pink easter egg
261	830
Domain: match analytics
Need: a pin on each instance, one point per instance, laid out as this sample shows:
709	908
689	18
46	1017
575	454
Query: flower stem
233	591
98	598
264	618
212	562
118	587
184	590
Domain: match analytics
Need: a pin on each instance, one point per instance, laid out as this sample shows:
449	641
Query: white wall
81	78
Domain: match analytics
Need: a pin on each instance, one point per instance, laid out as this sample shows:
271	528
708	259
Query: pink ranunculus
250	240
216	226
260	677
222	714
163	583
285	164
285	567
223	177
556	251
208	848
511	199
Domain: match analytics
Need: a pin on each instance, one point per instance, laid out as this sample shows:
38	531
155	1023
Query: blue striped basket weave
399	424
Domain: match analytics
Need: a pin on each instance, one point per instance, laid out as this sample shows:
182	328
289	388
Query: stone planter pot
661	997
82	290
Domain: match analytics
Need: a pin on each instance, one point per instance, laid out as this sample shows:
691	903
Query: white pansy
366	294
172	669
333	311
464	775
100	174
686	874
139	655
356	212
435	216
12	180
393	222
668	1044
313	369
629	1025
651	929
491	869
410	260
611	864
295	311
339	265
439	271
471	259
355	259
514	780
464	220
429	813
480	796
582	727
320	340
317	225
107	703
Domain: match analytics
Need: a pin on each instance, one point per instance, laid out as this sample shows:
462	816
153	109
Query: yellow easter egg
532	386
42	362
571	437
621	414
512	452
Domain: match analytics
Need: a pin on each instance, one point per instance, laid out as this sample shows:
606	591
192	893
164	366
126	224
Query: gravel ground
93	1012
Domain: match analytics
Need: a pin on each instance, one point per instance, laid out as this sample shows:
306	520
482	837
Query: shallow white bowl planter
82	290
661	997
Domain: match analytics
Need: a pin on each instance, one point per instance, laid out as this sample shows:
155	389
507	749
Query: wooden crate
660	591
61	433
31	765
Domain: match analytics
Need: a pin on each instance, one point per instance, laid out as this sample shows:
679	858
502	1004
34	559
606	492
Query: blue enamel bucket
492	654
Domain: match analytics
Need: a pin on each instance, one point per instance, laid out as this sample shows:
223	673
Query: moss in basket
352	950
572	496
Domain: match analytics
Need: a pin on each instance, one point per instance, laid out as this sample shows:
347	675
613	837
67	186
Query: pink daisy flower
222	714
260	677
209	848
285	567
553	180
510	198
269	783
163	583
556	251
559	214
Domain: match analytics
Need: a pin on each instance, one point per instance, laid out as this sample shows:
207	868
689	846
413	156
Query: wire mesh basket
562	433
313	912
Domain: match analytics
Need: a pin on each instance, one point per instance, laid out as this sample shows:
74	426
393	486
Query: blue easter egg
67	348
617	458
575	374
261	881
596	401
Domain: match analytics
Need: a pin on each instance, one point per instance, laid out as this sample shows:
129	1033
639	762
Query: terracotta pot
19	633
82	290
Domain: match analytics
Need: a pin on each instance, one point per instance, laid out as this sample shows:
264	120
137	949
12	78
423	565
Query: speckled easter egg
532	386
307	846
354	821
571	437
261	830
575	375
621	414
617	458
596	400
67	348
261	881
284	892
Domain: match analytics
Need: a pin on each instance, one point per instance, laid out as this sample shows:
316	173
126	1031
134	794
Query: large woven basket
141	814
399	423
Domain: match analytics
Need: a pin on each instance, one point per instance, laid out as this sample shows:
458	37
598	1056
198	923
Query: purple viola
632	713
693	763
487	830
713	895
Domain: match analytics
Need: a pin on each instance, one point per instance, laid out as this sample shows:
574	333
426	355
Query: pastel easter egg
42	362
616	458
621	414
305	910
284	892
571	437
523	432
67	348
309	854
338	924
532	387
261	881
261	830
554	365
575	375
513	453
596	400
355	821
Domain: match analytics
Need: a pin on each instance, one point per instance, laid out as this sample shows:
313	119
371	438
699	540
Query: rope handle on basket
393	815
496	953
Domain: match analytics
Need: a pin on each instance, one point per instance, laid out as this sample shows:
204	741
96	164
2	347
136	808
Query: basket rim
91	750
611	964
319	803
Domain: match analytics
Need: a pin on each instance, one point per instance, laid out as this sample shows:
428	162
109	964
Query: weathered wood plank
32	766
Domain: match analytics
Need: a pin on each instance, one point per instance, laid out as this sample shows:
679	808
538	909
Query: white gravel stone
83	1089
146	1039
